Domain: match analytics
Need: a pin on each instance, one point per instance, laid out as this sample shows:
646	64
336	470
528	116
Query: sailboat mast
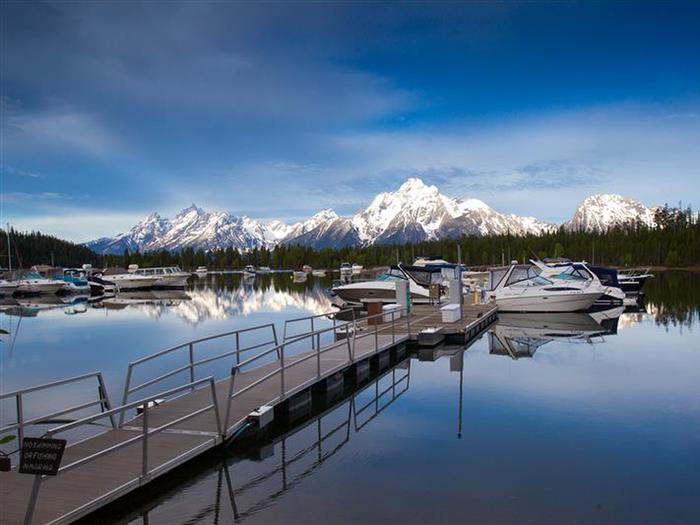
9	255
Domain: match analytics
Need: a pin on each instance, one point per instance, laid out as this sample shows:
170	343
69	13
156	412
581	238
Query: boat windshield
573	274
390	277
32	275
526	276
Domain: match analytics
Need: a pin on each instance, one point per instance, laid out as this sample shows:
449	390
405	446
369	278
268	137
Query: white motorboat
128	281
33	283
357	268
384	287
201	271
166	276
345	268
319	273
8	287
521	288
571	272
264	269
250	271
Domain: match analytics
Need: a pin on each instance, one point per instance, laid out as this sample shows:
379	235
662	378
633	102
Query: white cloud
79	226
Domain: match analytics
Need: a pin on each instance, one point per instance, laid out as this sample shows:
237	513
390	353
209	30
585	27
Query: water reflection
255	474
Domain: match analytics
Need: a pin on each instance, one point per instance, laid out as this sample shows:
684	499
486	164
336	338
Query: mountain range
413	213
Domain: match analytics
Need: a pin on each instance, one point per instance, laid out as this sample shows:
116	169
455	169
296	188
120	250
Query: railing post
376	337
312	333
234	370
32	500
104	398
393	334
238	348
274	334
347	340
215	401
144	449
354	335
282	390
20	419
125	397
191	349
318	360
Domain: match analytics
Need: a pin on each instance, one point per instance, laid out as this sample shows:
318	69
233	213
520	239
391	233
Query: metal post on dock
20	419
228	400
238	348
282	371
144	449
191	349
104	399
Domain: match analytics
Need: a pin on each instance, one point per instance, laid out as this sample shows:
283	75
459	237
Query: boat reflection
254	475
521	335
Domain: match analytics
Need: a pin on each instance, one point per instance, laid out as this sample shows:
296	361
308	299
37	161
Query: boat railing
234	338
368	327
19	395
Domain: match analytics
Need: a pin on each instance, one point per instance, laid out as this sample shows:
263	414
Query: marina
184	396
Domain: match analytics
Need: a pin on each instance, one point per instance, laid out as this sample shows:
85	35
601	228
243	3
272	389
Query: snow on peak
605	210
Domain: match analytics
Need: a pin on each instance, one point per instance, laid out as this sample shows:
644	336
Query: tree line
673	242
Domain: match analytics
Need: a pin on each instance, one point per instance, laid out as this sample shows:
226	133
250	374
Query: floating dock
151	435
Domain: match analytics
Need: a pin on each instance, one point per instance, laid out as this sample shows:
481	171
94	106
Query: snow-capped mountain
415	212
604	210
326	229
191	228
418	212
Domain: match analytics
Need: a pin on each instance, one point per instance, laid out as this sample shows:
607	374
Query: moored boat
33	283
521	288
126	280
166	276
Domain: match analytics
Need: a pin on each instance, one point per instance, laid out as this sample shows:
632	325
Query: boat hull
385	291
546	303
35	287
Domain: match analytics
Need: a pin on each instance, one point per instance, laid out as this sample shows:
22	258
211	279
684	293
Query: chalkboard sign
41	456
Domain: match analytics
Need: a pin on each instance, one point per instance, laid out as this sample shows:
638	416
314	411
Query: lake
549	418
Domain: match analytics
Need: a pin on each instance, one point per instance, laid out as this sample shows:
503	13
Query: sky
113	110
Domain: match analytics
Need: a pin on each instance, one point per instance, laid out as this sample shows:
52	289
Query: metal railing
19	426
333	316
193	364
286	361
143	436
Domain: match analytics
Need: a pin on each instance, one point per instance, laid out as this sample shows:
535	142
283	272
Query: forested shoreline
674	243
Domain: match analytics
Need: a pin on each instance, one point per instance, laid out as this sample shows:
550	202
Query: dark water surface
547	418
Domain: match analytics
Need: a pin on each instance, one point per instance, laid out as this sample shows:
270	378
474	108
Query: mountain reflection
225	296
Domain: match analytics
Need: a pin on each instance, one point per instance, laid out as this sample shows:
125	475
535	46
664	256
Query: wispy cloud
55	130
14	172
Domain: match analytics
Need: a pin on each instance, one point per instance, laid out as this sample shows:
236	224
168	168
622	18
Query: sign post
41	457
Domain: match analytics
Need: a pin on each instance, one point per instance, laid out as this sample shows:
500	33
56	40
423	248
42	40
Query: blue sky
111	110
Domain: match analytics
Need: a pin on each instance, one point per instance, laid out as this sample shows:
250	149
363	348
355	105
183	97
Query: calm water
544	419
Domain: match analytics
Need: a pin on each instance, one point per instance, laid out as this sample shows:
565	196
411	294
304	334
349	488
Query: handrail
192	364
330	315
143	436
201	340
316	351
48	385
102	400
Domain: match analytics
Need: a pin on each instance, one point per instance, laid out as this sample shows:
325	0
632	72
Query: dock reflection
255	473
